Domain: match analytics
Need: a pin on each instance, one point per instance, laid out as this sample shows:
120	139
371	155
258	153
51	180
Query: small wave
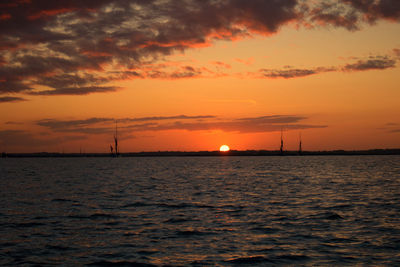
188	233
103	215
28	224
332	216
40	218
266	230
121	263
174	206
291	257
94	216
183	205
340	206
136	204
147	252
58	248
8	244
249	260
62	200
177	220
167	205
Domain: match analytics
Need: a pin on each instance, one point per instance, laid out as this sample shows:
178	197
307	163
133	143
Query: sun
224	148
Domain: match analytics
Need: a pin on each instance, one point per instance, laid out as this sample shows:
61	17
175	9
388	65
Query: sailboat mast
281	148
116	139
300	148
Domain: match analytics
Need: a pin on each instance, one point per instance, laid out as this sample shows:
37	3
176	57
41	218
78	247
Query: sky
192	75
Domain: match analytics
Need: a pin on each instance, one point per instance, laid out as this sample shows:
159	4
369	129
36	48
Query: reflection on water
329	210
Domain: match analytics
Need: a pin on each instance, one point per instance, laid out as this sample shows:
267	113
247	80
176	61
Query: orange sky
191	82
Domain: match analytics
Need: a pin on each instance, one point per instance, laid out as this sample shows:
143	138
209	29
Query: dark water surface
322	210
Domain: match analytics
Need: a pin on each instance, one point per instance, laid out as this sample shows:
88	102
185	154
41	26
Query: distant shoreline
210	153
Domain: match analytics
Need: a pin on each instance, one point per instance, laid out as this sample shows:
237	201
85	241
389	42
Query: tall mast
281	148
116	139
300	149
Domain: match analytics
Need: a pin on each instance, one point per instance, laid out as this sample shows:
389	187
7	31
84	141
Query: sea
197	211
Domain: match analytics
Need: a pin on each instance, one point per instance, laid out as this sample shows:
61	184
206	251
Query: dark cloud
80	47
351	13
372	63
52	42
377	63
9	85
11	99
287	73
85	90
335	14
377	9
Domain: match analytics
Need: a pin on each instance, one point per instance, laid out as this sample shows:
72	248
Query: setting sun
224	148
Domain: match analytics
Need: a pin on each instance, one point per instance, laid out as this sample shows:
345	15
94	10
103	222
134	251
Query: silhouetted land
213	153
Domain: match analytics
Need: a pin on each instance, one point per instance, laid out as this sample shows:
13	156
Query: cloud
19	138
77	90
106	125
334	13
57	43
350	14
248	61
242	125
221	64
161	118
374	63
376	9
82	47
290	73
62	124
179	122
11	99
391	127
396	51
67	125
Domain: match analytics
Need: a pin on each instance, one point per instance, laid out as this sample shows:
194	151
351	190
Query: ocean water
218	211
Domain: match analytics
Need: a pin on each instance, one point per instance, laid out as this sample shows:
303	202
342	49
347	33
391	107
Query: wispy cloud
291	72
11	99
371	63
179	122
374	63
84	90
20	138
391	127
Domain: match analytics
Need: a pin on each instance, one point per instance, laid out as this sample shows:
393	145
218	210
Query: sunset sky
192	75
